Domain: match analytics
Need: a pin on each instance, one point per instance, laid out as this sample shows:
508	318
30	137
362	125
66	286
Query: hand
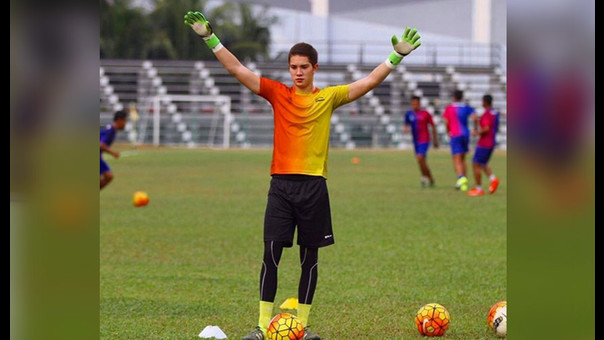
199	24
436	145
409	42
115	154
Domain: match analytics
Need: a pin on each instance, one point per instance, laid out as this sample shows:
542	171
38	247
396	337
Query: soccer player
488	125
298	194
456	119
107	137
419	120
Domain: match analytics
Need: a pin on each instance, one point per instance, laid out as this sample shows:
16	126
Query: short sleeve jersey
302	122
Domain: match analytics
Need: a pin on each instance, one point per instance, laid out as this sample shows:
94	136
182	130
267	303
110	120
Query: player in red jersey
418	120
487	130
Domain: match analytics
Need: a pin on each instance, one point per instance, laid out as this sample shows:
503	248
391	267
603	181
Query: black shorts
298	200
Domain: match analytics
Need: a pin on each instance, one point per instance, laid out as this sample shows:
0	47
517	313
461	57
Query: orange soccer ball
432	320
285	326
493	311
140	199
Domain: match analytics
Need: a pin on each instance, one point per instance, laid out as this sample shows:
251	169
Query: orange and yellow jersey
302	122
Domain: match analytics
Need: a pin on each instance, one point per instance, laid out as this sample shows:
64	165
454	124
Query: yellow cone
291	303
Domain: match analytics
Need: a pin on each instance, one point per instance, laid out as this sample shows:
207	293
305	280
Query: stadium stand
374	121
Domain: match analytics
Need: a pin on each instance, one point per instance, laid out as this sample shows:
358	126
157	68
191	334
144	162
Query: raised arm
409	42
198	22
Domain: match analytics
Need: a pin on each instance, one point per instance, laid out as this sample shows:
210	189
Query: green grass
192	257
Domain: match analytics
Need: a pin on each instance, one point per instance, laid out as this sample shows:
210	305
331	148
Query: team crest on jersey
319	99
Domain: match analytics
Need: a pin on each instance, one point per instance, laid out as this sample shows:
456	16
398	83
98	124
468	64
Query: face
302	71
415	104
120	124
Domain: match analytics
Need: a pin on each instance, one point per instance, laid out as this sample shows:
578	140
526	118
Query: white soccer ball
500	322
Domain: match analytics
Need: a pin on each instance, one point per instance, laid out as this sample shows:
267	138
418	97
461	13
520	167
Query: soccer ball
140	199
500	322
285	326
493	311
432	320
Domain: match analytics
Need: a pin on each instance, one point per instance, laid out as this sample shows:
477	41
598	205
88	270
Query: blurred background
154	64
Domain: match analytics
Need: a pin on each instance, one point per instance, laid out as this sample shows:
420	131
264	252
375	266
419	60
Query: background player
418	120
487	130
107	137
456	119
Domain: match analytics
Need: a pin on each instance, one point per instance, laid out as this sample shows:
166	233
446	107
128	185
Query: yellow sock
266	314
303	313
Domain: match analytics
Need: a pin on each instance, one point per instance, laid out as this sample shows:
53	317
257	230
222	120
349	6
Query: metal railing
429	54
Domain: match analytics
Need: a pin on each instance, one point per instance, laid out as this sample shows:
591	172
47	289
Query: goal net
191	120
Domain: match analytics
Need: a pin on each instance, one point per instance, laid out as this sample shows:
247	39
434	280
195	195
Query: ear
316	67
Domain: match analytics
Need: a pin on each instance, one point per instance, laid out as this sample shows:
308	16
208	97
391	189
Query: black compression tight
268	273
309	258
309	261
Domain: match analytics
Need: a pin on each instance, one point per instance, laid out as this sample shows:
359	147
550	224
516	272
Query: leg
423	167
487	170
477	174
268	273
464	169
458	164
268	288
106	178
309	262
279	227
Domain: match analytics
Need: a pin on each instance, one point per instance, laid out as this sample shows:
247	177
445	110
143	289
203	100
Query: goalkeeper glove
198	22
409	42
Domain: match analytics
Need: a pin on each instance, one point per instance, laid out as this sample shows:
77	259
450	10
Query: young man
298	192
107	137
456	119
419	120
488	125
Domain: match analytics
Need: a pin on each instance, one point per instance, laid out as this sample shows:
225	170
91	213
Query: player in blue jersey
456	119
418	120
107	137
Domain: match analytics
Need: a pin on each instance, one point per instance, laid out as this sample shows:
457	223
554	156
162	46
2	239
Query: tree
125	31
245	33
131	33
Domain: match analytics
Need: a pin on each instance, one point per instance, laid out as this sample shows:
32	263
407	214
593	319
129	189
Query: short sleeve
340	95
429	118
269	87
407	118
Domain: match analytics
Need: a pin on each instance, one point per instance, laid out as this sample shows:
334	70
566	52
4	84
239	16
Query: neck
307	89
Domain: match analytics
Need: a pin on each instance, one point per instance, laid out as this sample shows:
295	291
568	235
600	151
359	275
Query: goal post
175	106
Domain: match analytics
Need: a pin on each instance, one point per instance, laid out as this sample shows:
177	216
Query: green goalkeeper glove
409	42
198	22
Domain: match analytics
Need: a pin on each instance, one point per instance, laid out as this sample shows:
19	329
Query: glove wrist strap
394	59
213	42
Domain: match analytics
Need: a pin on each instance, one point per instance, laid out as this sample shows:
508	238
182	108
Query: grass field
192	257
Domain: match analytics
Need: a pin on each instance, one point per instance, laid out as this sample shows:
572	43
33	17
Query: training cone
212	332
291	303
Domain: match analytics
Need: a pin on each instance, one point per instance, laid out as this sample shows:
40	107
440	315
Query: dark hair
488	99
458	94
305	50
119	115
415	98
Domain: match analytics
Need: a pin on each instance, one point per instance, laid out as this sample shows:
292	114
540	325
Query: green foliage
192	257
131	33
